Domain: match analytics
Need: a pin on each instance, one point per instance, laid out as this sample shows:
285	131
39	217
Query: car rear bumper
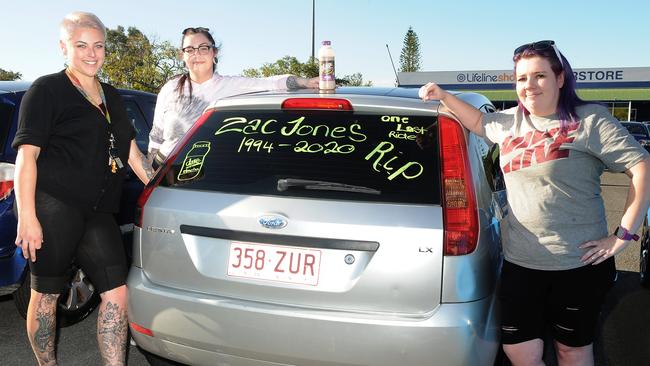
201	329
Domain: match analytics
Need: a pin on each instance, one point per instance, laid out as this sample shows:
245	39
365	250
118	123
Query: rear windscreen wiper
284	184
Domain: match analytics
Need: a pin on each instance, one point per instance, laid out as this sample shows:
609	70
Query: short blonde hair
79	19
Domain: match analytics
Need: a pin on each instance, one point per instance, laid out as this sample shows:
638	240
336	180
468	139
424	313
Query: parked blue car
12	263
80	297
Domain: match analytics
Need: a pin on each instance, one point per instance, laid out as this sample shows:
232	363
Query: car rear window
315	154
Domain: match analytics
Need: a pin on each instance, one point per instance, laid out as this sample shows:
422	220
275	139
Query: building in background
625	90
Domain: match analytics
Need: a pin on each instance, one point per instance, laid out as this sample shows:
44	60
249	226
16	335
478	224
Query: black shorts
91	240
567	302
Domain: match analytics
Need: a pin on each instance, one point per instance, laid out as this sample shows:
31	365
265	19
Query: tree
309	69
135	62
7	75
355	79
409	59
285	65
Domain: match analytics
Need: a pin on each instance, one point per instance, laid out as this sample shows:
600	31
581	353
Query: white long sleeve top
175	114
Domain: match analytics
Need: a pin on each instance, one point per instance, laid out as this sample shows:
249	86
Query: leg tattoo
42	338
112	328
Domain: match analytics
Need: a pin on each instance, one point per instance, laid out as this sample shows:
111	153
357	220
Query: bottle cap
326	43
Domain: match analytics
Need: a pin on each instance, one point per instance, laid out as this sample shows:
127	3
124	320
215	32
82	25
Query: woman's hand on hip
599	250
29	236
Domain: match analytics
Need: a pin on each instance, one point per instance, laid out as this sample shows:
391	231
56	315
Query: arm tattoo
112	331
292	83
43	338
151	155
146	165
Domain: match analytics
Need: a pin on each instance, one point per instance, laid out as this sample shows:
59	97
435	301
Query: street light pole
313	21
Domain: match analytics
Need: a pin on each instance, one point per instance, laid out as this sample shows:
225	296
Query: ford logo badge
272	221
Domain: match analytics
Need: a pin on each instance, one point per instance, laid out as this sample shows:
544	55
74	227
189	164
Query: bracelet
624	234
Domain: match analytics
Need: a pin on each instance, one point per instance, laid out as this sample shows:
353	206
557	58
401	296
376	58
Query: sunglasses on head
540	46
196	30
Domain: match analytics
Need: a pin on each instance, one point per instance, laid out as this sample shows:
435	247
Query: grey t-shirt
553	181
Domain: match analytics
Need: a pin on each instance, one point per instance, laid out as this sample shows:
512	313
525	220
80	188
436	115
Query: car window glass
347	156
139	123
152	107
6	115
636	129
487	108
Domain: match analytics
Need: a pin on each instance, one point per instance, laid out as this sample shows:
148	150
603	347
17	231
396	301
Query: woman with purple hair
559	256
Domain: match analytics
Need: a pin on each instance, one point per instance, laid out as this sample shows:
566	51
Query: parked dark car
80	297
647	124
640	132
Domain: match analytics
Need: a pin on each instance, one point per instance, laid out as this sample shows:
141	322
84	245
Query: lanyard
114	161
77	85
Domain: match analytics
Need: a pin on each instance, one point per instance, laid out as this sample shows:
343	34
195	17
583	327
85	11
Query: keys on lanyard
114	160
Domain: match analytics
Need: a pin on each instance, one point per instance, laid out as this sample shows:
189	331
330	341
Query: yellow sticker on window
193	162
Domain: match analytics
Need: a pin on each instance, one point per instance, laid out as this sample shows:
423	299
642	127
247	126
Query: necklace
80	88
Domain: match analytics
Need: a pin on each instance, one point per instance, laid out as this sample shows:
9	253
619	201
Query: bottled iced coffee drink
326	67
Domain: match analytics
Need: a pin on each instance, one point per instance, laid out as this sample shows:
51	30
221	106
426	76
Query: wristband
623	234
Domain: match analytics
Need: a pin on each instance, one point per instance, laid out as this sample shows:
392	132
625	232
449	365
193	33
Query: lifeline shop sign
621	77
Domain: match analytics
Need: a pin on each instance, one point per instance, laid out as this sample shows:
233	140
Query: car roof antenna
392	63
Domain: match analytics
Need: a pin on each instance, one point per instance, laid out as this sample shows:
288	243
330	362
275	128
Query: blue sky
454	35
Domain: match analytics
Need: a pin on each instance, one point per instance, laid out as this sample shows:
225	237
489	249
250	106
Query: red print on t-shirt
543	146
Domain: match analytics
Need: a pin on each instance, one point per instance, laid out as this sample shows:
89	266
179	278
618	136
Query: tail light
6	179
141	329
148	189
459	202
317	103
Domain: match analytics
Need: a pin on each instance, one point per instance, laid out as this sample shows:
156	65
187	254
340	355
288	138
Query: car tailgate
339	255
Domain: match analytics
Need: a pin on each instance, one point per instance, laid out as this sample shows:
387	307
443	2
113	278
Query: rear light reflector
5	188
6	179
317	103
148	189
460	214
141	329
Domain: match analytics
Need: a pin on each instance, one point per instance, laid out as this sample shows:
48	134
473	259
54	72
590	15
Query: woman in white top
182	100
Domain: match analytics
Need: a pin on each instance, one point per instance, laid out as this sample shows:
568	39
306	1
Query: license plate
274	263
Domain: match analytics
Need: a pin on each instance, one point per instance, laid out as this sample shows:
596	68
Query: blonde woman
73	140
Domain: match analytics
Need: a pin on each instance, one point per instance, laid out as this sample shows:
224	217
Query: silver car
359	227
